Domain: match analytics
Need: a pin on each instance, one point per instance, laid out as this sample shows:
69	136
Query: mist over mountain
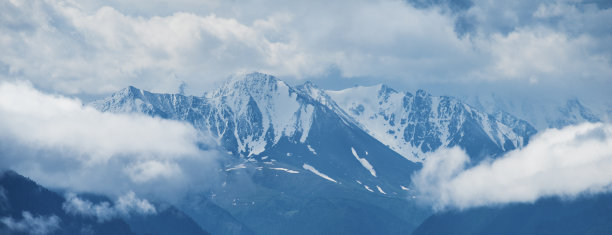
307	160
365	139
305	117
263	109
28	208
541	113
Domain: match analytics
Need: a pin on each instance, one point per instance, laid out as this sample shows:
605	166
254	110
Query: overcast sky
89	48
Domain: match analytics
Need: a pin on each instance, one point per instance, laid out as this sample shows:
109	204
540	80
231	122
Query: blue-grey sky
90	48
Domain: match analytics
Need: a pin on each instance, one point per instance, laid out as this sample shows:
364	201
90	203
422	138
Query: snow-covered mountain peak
129	91
246	113
253	84
263	109
262	89
413	125
132	99
366	137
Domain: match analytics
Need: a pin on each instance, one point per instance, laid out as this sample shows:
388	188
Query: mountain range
360	145
304	160
251	114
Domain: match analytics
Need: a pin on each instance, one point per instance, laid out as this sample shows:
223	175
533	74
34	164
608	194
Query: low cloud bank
35	225
59	142
124	206
566	163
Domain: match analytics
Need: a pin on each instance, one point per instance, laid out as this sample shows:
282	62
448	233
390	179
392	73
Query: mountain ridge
413	125
302	146
255	98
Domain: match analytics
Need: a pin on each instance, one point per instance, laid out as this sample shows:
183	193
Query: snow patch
364	162
257	147
285	170
316	172
380	189
311	149
239	166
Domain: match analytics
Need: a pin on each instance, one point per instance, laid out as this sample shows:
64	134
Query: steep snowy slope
245	114
296	153
416	124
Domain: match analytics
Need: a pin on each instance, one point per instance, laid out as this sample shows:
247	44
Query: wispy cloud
62	143
35	225
569	162
125	206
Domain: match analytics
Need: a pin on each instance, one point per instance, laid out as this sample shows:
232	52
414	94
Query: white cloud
75	51
59	142
129	203
98	47
44	120
35	225
125	206
566	163
554	42
145	171
540	54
